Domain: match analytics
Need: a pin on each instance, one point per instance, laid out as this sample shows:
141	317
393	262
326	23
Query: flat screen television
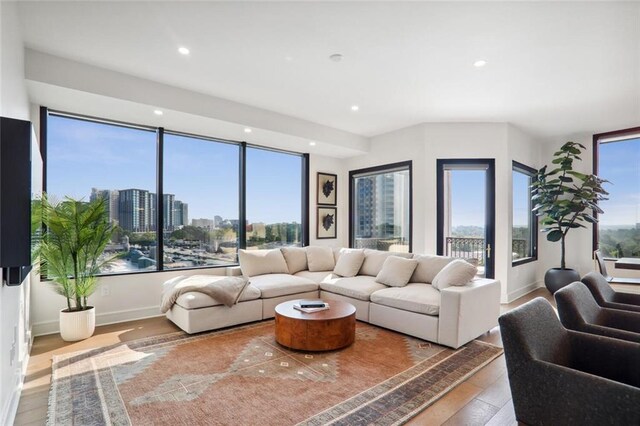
21	170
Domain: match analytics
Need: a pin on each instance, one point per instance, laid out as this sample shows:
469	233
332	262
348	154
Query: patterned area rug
242	376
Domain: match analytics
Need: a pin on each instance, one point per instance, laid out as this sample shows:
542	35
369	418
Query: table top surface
630	260
627	263
337	309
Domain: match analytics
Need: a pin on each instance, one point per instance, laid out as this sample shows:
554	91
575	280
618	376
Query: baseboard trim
523	291
52	327
8	416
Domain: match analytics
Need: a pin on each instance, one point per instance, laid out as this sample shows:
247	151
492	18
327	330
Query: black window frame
533	219
623	133
45	112
408	165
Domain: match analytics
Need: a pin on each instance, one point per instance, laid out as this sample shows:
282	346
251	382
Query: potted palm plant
565	199
72	254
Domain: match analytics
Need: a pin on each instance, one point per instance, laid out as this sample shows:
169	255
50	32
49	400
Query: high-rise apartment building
135	210
112	202
168	205
181	214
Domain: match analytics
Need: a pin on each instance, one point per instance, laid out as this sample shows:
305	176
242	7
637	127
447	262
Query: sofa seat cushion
316	277
275	285
196	300
414	297
359	287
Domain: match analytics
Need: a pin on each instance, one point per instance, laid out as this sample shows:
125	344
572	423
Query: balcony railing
466	248
474	248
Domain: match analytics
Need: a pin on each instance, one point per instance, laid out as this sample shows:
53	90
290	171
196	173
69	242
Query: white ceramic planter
78	325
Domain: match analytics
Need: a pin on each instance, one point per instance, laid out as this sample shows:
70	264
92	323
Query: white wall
525	277
323	164
14	301
424	144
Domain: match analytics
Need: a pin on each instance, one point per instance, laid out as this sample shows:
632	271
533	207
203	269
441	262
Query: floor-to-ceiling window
524	237
177	201
86	159
274	198
200	206
617	159
380	201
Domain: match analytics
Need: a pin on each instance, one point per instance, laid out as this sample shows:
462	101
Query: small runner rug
241	376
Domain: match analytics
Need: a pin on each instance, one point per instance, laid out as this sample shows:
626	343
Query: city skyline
84	154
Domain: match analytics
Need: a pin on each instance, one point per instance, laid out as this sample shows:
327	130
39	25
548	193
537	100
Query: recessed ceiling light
355	108
183	50
247	130
312	144
288	58
479	64
336	57
157	112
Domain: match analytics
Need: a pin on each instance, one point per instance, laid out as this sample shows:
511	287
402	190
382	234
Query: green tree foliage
619	243
565	198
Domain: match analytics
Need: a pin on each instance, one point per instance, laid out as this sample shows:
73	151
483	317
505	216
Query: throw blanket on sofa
226	290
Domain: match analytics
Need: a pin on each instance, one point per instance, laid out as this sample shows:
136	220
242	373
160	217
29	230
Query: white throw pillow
428	267
396	271
296	258
320	259
456	273
260	262
349	262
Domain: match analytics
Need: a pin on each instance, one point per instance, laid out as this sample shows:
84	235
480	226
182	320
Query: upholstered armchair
607	297
579	311
562	377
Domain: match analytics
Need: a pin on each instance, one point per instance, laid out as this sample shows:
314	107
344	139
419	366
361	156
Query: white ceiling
553	68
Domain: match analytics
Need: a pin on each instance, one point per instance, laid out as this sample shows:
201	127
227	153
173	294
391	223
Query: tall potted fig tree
72	254
565	199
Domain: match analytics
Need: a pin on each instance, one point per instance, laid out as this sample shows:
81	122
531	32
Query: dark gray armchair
579	311
562	377
607	297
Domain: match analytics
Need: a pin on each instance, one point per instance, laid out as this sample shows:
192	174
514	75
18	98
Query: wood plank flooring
483	399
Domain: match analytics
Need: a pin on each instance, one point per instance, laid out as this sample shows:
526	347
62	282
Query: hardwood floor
483	399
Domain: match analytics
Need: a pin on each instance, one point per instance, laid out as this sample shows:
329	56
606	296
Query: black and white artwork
327	189
327	222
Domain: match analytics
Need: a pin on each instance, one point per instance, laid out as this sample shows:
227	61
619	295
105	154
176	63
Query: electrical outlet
105	290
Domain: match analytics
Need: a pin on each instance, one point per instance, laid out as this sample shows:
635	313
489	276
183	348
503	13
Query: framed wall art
327	222
327	189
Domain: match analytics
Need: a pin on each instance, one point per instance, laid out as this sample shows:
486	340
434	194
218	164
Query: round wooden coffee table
326	330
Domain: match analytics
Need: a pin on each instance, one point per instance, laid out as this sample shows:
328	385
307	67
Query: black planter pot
556	278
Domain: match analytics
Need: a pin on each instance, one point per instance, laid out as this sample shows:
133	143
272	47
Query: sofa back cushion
320	258
260	262
457	273
396	271
349	262
428	267
296	258
374	259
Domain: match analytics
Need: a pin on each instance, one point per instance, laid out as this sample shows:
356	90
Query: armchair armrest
545	393
627	298
468	311
622	306
623	320
606	357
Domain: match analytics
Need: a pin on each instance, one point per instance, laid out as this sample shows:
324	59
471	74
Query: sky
467	198
619	162
82	155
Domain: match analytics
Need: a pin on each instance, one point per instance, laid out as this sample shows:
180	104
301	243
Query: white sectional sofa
449	315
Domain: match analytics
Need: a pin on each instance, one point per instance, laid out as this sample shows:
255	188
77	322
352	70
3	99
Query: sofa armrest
468	311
